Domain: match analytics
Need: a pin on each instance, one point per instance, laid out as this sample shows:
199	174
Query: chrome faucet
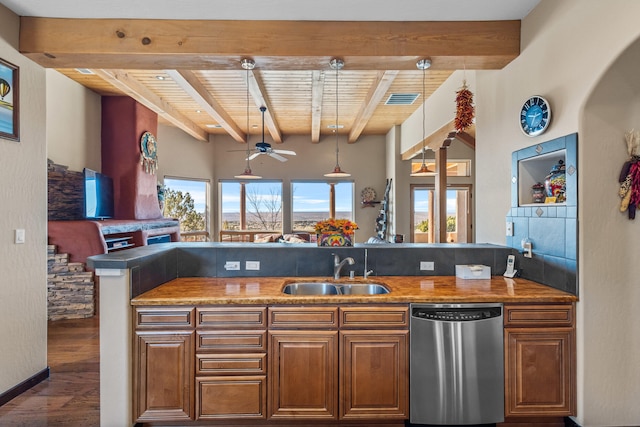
367	272
337	265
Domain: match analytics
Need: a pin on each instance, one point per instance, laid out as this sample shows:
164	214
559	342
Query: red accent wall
124	120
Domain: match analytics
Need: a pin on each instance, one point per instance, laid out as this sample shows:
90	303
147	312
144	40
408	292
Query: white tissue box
473	271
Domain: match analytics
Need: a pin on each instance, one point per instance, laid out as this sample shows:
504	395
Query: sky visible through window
308	196
197	190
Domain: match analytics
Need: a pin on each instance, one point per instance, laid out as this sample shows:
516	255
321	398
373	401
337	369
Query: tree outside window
186	200
251	206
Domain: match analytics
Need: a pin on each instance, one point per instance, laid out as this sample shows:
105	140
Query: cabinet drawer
227	398
308	317
374	317
231	364
232	317
552	315
225	341
164	317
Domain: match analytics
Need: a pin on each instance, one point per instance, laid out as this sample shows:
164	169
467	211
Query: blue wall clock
535	116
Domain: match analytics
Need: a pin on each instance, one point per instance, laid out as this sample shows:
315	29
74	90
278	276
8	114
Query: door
459	218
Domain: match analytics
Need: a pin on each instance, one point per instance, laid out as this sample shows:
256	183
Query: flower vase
334	239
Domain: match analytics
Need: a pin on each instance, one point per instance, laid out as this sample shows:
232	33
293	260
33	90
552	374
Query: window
454	167
187	200
458	214
251	206
313	201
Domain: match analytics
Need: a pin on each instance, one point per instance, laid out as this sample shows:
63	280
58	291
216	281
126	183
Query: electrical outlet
427	265
509	228
252	265
232	265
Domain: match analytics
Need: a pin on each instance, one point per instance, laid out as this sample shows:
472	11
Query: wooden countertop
404	289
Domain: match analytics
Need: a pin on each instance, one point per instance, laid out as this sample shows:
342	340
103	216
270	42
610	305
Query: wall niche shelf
532	165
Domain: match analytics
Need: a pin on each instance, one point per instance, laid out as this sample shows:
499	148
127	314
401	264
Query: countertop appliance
457	364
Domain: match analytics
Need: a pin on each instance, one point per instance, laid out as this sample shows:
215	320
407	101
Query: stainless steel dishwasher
457	364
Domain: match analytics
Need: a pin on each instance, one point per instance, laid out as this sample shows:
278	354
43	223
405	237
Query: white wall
23	204
566	47
73	123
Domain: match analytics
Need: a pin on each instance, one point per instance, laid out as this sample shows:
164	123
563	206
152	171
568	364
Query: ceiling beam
259	95
190	83
442	137
282	45
376	93
317	91
139	92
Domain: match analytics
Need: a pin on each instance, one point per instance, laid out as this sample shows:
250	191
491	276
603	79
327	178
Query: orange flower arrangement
329	226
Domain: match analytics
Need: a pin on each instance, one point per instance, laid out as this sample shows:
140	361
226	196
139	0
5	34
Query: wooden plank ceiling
190	72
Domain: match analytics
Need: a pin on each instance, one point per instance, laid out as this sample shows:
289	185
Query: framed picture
9	101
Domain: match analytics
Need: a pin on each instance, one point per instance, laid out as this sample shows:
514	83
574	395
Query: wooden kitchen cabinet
164	376
303	374
163	364
231	366
339	362
374	374
540	360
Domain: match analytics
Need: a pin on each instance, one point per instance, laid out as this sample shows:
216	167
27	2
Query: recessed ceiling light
334	126
161	77
198	111
85	71
214	126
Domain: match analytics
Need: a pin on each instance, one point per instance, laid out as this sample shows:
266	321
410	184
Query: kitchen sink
329	288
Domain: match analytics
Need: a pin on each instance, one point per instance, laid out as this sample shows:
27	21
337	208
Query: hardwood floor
71	394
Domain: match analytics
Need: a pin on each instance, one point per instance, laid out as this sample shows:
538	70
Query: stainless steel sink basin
328	288
310	288
363	289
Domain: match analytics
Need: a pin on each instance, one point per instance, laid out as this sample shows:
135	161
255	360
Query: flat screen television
98	195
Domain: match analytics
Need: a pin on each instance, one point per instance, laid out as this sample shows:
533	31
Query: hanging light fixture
248	64
423	65
337	64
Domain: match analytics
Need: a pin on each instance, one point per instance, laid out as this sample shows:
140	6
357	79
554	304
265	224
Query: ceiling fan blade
253	156
288	152
277	156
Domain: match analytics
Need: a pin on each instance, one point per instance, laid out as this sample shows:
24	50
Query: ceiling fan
265	148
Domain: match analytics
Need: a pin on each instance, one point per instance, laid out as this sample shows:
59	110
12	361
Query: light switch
20	235
509	228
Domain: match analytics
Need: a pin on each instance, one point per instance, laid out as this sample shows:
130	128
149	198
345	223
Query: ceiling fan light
247	174
337	173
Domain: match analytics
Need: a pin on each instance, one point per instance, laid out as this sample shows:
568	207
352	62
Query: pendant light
248	64
423	65
337	64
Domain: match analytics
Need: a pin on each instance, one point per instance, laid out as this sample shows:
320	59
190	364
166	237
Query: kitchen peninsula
222	332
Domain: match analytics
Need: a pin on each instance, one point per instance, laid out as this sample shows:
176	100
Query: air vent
84	71
402	98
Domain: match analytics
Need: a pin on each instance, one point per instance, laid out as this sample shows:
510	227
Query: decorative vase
334	239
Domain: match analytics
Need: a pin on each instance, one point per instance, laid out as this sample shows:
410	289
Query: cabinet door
374	375
303	374
163	376
539	371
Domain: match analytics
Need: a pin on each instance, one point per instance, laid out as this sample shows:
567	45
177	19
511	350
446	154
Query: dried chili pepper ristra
465	111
